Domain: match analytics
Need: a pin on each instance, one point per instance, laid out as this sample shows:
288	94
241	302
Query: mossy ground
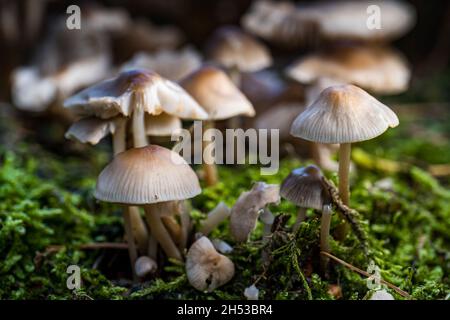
46	199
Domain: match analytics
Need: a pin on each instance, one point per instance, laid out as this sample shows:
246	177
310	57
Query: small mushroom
381	295
221	246
145	265
152	177
215	217
221	99
207	269
247	208
251	293
267	218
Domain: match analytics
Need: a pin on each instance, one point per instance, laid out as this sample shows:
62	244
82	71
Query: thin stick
364	273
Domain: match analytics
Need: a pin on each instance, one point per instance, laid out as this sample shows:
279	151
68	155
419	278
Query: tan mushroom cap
92	130
217	94
304	188
135	89
147	175
233	48
207	269
161	125
376	69
343	114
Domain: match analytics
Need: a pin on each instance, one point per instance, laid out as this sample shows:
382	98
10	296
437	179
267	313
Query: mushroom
247	209
238	52
375	68
267	218
207	269
343	114
173	65
381	295
251	293
214	218
221	99
152	177
305	188
144	265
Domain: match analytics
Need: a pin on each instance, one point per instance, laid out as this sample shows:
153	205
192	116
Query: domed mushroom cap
231	47
304	188
207	269
161	125
343	114
147	175
92	130
135	89
217	94
376	69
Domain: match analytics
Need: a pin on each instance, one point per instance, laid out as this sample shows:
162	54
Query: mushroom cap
376	69
313	91
233	48
161	125
245	211
304	188
207	269
343	114
217	94
135	89
173	65
144	265
147	175
91	129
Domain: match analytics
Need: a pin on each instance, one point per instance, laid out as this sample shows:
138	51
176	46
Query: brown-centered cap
343	114
171	64
245	211
147	175
207	269
135	89
304	187
377	69
161	125
232	48
92	130
217	94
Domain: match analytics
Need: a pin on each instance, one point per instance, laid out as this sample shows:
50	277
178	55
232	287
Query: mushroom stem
153	214
119	138
139	136
173	227
139	230
209	165
152	247
301	216
344	167
185	222
132	251
324	235
215	217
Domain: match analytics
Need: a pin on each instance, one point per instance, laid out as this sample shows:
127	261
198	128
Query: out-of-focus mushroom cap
161	125
92	130
245	211
135	89
343	114
173	65
304	188
147	175
207	269
313	91
233	48
217	94
376	69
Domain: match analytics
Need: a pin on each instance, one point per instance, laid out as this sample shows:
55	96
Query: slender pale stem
214	218
324	235
119	138
139	136
132	250
152	247
185	221
209	165
173	227
139	229
301	216
153	214
344	167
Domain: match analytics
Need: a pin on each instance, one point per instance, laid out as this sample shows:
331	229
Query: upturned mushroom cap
376	69
147	175
343	114
92	130
161	125
217	94
233	48
135	89
173	65
304	188
245	211
207	269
